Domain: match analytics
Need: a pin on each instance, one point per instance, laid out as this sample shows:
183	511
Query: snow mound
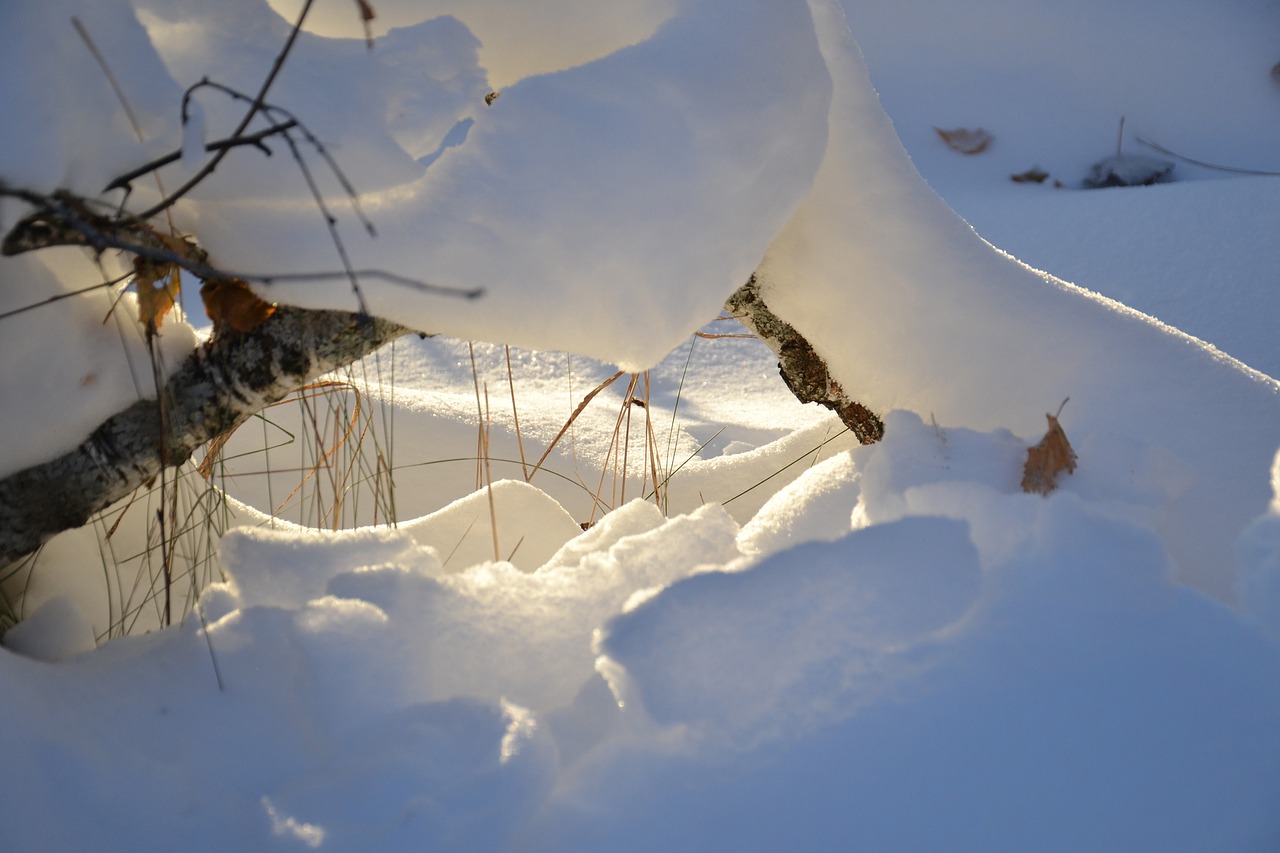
661	172
830	623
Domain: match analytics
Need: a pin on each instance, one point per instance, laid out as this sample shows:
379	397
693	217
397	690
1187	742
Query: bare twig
64	219
281	117
1205	164
515	414
61	296
208	168
254	139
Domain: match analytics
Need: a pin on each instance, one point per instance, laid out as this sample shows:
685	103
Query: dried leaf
964	140
230	304
158	283
1034	175
157	286
1048	459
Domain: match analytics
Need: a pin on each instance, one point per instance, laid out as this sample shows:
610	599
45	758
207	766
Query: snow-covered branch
218	387
802	368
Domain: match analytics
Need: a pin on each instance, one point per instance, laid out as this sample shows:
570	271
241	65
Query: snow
662	172
768	637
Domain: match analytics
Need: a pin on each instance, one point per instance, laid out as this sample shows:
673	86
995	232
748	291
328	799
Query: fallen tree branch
802	369
219	386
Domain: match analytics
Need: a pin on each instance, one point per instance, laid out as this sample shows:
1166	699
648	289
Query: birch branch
218	386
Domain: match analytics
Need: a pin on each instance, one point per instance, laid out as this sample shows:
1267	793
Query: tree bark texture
217	387
802	369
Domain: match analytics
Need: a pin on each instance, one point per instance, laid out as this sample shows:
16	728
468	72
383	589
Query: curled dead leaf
230	304
1034	175
1048	459
157	286
158	283
966	140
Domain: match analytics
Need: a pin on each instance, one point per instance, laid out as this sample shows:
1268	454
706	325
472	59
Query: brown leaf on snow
1048	459
965	140
1034	175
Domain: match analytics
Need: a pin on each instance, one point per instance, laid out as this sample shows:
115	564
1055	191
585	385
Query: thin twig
106	72
1205	164
269	279
208	168
330	221
281	116
64	219
666	481
785	467
61	296
254	139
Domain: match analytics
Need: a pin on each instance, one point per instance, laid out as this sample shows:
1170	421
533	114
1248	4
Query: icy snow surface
791	642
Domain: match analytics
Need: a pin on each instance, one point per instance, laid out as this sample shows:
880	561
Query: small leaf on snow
1034	175
965	140
231	304
1048	459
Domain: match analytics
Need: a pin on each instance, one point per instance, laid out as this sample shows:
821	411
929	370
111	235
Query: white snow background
799	643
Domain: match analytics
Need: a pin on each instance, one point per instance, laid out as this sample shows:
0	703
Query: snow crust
800	642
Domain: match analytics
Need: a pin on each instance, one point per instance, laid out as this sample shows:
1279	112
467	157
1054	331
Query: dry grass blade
795	461
329	450
573	417
624	413
515	414
484	473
